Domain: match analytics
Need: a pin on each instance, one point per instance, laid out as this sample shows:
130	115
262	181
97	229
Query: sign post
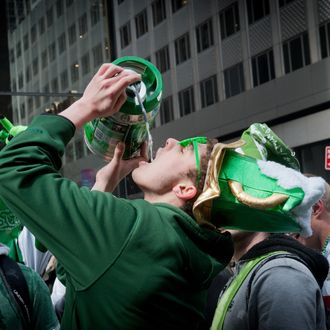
327	158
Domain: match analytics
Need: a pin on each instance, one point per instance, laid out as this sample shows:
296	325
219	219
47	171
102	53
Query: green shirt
130	264
43	316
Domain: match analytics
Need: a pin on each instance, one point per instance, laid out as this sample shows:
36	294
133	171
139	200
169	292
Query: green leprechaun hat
254	185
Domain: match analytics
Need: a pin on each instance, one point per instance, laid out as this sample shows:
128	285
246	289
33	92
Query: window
163	59
69	153
263	68
178	4
33	33
257	9
74	72
158	11
229	21
125	35
64	80
20	81
296	53
83	25
120	1
44	59
22	111
79	148
325	39
18	49
284	2
46	91
204	35
95	14
97	55
85	67
166	110
30	105
11	55
61	43
41	25
28	74
209	91
52	51
234	80
35	66
59	8
186	101
37	101
26	41
72	34
49	16
69	3
182	48
54	85
141	23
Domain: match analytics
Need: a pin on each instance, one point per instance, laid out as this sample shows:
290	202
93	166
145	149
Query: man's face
171	166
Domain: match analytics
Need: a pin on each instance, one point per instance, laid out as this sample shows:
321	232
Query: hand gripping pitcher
131	124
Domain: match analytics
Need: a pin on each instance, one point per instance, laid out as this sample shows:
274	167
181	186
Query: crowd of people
151	263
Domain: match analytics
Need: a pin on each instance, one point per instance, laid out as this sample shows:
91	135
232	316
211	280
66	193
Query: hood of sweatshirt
315	261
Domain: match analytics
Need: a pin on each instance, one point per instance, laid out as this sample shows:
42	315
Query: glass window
26	41
54	85
163	59
95	14
257	9
296	53
46	91
234	80
125	35
120	1
74	72
59	8
182	48
229	21
28	74
41	25
263	67
35	66
141	23
97	55
166	110
83	27
186	101
22	111
204	35
44	59
209	91
18	49
85	66
325	39
178	4
33	33
20	81
158	11
79	148
49	16
69	3
12	55
52	51
72	34
64	80
30	105
61	43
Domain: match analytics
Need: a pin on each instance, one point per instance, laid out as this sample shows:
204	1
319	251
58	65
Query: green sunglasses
195	141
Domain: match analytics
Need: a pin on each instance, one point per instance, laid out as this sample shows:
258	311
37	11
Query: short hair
203	170
326	196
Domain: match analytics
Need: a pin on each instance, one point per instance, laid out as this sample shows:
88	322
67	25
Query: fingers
144	151
108	70
120	102
119	152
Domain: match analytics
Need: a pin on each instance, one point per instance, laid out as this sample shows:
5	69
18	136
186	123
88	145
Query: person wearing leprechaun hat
276	281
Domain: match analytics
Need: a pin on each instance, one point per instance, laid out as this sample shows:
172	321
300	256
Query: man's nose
170	143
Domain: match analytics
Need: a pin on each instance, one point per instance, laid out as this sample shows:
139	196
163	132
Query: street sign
327	157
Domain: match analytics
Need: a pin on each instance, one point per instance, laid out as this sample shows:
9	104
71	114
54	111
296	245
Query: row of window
76	70
228	18
296	55
72	32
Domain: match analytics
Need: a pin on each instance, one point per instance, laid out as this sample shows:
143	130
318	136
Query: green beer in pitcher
131	124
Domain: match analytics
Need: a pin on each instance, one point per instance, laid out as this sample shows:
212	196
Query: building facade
225	64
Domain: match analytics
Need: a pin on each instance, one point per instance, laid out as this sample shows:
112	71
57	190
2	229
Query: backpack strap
16	286
229	294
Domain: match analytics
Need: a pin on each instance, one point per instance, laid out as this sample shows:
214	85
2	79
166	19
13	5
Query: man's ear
318	208
184	191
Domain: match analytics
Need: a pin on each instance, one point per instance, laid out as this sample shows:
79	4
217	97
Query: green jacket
130	264
43	316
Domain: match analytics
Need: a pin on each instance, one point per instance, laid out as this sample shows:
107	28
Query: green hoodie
129	264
